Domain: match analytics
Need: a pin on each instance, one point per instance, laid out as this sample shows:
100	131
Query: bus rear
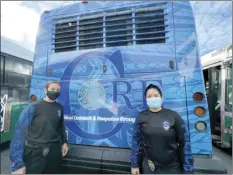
105	54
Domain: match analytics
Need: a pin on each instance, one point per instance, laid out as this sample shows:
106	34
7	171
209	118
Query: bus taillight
200	111
201	126
198	96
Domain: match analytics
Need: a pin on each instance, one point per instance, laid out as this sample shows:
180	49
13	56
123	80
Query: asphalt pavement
224	155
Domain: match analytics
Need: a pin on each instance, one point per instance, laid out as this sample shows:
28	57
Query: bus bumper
103	160
208	165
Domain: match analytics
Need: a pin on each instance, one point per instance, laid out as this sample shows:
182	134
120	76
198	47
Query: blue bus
105	54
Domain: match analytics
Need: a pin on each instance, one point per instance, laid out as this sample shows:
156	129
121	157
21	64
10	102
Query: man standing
39	139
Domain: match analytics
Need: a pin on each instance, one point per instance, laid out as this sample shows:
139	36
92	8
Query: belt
32	144
44	148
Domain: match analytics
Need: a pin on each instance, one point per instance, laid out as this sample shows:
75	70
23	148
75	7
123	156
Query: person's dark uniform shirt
160	135
40	123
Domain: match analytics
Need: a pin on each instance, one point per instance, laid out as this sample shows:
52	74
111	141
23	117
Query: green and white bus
15	78
217	70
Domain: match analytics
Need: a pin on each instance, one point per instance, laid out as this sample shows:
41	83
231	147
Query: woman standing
39	139
159	133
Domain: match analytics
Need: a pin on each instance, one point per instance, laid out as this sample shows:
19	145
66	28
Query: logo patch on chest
59	112
166	125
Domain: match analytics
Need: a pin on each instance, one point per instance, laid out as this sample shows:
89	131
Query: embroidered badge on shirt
166	125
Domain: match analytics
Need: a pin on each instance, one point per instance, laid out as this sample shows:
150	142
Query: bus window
206	79
217	84
17	72
215	98
17	77
229	87
1	69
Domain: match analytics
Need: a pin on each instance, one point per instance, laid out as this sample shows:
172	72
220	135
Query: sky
20	20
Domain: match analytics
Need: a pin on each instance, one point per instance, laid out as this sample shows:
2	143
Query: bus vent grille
91	31
119	28
133	26
150	25
65	35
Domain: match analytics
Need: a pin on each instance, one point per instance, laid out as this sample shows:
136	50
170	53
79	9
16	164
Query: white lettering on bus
3	110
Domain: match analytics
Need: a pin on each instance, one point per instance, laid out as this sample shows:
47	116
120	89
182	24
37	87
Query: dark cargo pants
174	169
36	162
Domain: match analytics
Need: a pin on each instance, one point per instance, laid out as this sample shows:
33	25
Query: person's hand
20	171
135	171
64	149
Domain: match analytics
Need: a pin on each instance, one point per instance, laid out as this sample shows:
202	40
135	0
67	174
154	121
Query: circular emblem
166	125
64	98
92	95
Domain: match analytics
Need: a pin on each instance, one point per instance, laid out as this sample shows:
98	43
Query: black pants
37	163
175	169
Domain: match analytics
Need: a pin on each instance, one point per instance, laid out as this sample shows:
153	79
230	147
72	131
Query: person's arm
136	143
62	129
18	139
185	154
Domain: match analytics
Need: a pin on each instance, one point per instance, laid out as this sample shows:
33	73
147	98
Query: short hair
33	98
51	82
33	95
152	86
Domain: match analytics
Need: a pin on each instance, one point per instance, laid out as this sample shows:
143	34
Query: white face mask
154	102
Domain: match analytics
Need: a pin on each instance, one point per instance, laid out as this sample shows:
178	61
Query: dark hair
51	82
32	96
151	86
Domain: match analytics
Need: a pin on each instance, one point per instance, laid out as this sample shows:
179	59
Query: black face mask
53	95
